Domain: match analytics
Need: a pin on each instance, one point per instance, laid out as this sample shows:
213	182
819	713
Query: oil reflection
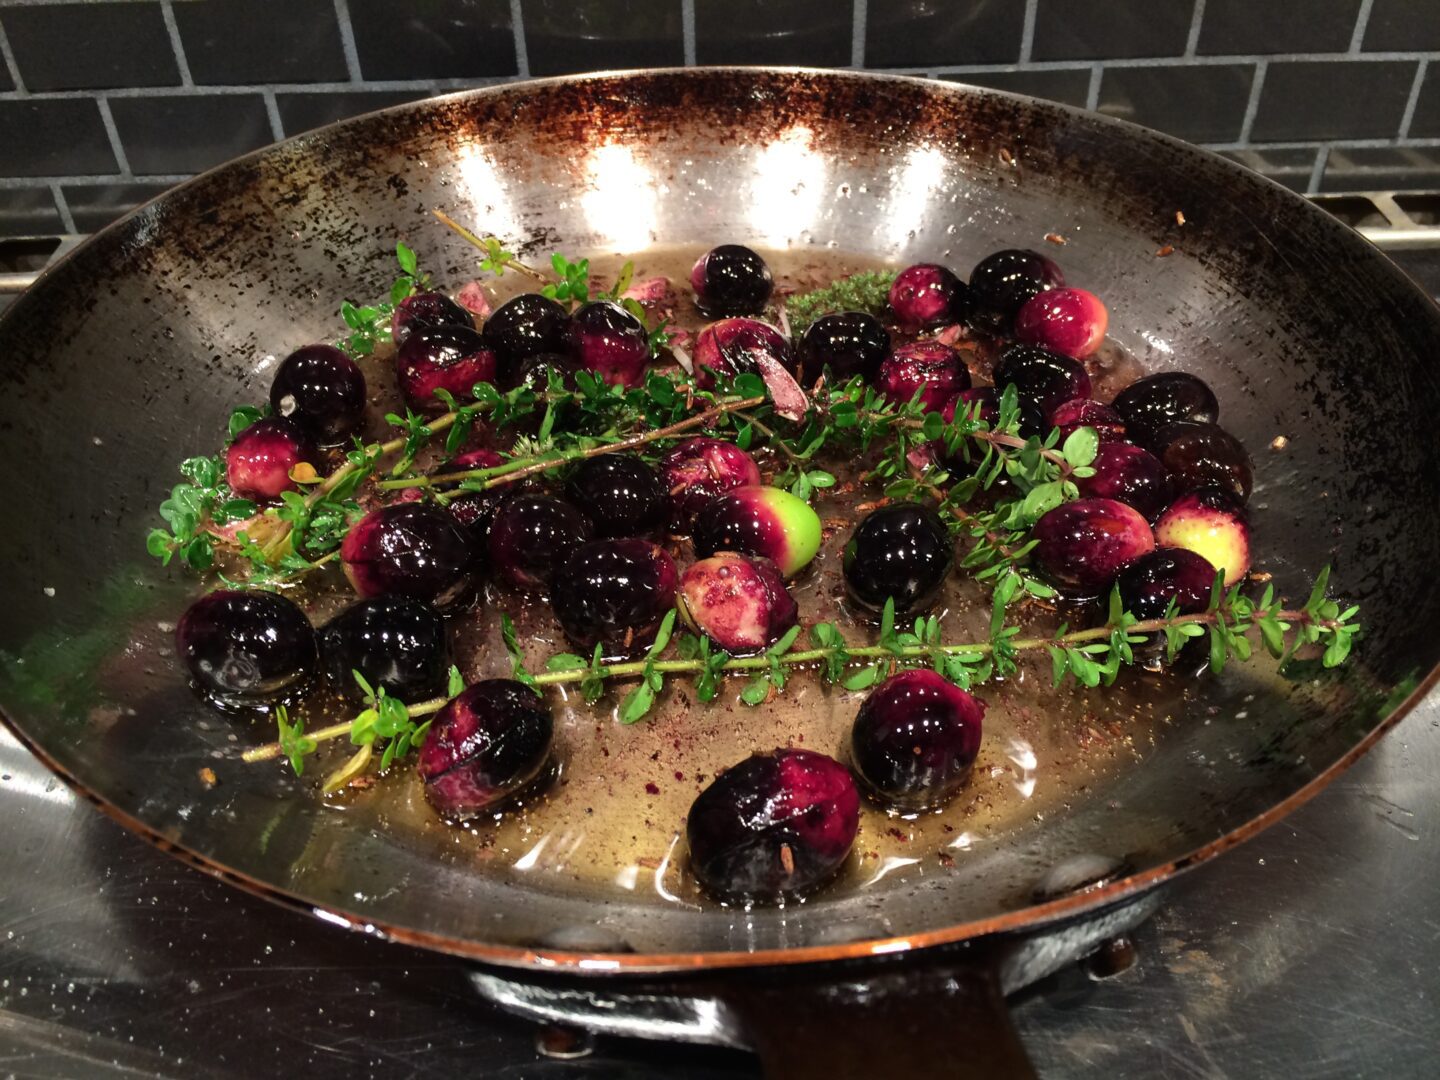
1023	755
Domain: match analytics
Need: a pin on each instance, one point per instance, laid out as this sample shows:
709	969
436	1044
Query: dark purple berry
926	295
1084	544
1002	283
1204	455
488	743
536	371
621	495
531	536
1149	583
393	641
1148	404
915	739
424	310
776	825
760	521
928	366
611	342
322	390
450	358
850	343
731	280
738	601
1045	379
698	470
408	549
1133	476
901	551
1083	412
614	593
247	650
733	347
258	462
523	326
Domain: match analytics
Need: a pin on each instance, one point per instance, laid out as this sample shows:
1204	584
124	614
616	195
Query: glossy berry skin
927	365
926	295
247	649
760	520
486	744
1071	322
614	593
902	551
322	390
408	549
535	371
1210	522
426	309
450	358
611	342
395	642
258	462
731	280
733	346
1149	583
1133	476
1045	379
1148	404
1204	455
475	512
531	536
697	471
523	326
1083	412
739	601
915	739
776	825
479	458
1002	283
849	343
1084	544
620	494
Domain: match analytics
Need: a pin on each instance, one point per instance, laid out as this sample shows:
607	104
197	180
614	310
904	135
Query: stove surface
1311	951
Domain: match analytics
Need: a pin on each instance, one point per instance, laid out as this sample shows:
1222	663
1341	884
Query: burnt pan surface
130	354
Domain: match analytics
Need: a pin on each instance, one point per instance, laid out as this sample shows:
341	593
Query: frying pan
129	354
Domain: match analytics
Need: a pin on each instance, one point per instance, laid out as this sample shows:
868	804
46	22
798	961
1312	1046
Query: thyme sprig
1090	657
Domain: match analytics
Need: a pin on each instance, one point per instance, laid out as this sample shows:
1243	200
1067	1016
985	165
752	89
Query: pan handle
945	1017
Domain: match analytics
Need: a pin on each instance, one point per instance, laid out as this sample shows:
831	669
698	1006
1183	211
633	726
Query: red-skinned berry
927	295
259	462
1083	545
698	470
927	366
915	739
1068	321
486	744
738	601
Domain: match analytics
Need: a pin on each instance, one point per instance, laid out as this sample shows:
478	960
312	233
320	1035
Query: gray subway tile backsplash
1112	29
1316	99
90	45
166	135
215	78
1237	27
238	42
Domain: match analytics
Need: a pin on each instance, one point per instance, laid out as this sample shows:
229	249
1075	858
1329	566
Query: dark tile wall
105	103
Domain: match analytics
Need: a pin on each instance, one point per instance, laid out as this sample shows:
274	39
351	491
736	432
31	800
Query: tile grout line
272	111
687	32
347	41
113	134
62	207
10	64
1192	39
517	26
1252	103
167	12
1317	170
858	19
1408	116
1362	21
1027	31
1092	91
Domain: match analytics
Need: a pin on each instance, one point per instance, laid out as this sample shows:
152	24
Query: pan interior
130	356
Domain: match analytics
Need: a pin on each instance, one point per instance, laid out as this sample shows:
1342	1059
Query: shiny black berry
1148	404
426	309
1202	455
1001	283
531	536
614	593
322	390
247	649
849	343
621	494
394	642
488	743
915	739
523	326
902	551
409	549
1045	379
731	280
